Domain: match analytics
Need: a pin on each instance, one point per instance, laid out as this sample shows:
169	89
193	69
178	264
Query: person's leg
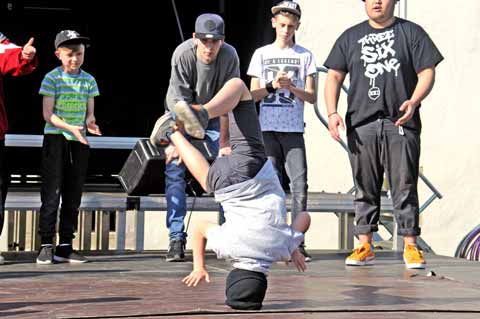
212	138
75	171
402	162
195	117
176	199
367	171
296	167
53	155
274	151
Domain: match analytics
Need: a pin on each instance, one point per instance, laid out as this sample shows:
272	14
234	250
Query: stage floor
145	286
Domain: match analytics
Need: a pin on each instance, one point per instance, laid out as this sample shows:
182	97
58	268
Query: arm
90	119
199	242
224	142
333	85
52	118
426	79
307	95
15	60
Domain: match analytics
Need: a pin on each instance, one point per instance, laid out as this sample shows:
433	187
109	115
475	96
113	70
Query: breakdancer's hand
224	151
171	154
195	277
299	260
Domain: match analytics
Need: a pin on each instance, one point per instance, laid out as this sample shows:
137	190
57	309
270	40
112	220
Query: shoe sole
414	266
40	262
367	262
66	260
154	139
175	259
308	259
192	125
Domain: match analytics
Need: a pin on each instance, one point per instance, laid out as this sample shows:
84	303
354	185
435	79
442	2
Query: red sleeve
11	61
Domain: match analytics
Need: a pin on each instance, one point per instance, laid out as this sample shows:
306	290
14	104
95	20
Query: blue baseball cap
210	26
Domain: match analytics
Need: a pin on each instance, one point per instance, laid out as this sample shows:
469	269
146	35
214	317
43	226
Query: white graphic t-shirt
282	111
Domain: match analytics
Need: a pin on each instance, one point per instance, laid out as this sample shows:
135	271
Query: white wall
450	140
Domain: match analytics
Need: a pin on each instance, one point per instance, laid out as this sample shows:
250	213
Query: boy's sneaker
413	257
162	130
361	256
45	255
2	260
194	117
302	250
66	254
176	250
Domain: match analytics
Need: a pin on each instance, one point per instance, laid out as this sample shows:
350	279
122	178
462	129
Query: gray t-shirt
255	233
196	82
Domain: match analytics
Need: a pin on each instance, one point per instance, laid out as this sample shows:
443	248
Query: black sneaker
195	121
45	255
66	254
176	250
162	129
302	250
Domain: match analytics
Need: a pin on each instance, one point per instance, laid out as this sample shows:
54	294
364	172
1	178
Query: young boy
68	104
255	233
14	61
283	78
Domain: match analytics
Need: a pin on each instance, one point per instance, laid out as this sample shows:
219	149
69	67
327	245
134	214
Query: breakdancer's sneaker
413	257
194	118
363	255
162	130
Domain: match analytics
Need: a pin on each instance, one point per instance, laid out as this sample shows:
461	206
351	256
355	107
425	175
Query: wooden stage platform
145	286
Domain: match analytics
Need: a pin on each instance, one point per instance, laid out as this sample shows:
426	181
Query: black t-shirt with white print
383	66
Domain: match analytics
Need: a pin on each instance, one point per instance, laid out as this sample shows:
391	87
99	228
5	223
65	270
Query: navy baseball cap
210	26
288	6
69	36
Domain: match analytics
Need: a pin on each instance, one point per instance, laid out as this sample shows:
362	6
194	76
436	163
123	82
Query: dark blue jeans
379	147
175	191
289	149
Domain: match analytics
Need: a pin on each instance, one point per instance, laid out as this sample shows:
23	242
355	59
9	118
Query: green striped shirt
71	93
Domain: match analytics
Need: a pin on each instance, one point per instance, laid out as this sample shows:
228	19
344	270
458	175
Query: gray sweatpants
379	147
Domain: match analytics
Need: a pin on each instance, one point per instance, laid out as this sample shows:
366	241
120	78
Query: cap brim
209	36
83	40
277	9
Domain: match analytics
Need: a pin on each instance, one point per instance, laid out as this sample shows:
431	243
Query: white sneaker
2	260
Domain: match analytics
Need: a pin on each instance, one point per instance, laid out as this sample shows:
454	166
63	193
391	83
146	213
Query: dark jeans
379	147
289	149
64	167
4	180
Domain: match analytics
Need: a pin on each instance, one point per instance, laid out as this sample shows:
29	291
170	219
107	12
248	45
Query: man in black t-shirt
391	63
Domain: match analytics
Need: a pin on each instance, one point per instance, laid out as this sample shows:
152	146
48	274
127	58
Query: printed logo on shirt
291	66
378	57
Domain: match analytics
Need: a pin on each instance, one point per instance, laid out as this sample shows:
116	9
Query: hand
77	132
225	151
282	81
334	121
92	127
409	108
171	154
195	277
298	260
29	51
